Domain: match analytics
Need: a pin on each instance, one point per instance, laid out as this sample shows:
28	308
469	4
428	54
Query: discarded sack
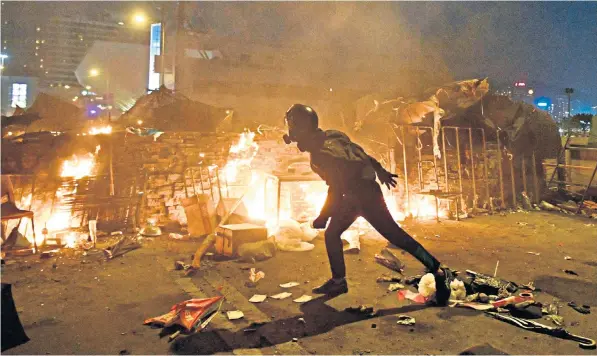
290	237
352	239
309	233
482	283
192	314
457	290
427	286
257	251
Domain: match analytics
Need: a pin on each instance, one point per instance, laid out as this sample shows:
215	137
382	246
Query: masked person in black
353	191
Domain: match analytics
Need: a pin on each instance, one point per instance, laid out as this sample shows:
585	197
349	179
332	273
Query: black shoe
442	285
332	287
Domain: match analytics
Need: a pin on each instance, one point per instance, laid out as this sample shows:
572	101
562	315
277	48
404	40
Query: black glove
387	178
320	222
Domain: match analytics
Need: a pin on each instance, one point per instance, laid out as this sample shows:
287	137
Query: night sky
550	43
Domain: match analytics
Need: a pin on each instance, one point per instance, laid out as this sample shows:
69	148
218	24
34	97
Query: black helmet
301	119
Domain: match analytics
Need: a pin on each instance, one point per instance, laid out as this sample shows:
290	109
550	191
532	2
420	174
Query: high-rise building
560	107
52	50
63	43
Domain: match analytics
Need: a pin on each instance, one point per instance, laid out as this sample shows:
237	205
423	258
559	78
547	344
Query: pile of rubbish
503	300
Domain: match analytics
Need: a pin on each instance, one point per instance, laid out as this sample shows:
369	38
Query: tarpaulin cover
167	110
56	114
190	314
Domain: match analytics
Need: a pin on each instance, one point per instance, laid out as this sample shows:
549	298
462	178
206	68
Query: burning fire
102	130
78	166
241	155
54	215
301	201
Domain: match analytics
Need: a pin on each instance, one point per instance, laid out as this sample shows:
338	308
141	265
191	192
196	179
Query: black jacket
343	165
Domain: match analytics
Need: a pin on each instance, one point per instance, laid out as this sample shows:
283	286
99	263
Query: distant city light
93	111
531	91
93	72
9	133
520	84
139	122
331	89
84	92
3	56
542	104
67	86
88	87
121	23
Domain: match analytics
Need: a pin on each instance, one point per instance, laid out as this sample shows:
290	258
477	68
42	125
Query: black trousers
367	200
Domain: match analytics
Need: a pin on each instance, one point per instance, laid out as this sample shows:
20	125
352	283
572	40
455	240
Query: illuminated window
154	50
19	95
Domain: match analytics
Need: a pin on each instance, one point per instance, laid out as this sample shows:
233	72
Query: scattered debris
282	295
294	339
457	290
521	223
124	245
515	299
569	271
547	206
389	260
583	309
530	286
389	279
472	305
534	253
373	326
556	319
289	284
173	336
124	352
255	277
415	297
590	225
235	314
427	285
303	299
180	265
405	320
302	320
49	253
257	251
567	258
395	286
583	342
258	298
361	309
175	236
115	233
192	314
482	283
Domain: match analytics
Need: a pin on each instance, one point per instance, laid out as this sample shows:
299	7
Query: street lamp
139	18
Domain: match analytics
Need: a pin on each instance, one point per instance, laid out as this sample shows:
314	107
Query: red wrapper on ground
188	314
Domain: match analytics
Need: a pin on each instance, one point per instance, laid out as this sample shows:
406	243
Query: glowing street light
93	72
139	18
531	91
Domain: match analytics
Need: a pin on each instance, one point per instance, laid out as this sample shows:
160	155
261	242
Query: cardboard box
230	237
201	215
